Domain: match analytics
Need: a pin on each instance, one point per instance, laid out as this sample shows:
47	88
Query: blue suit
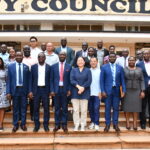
70	54
146	77
113	93
146	100
60	102
40	93
19	94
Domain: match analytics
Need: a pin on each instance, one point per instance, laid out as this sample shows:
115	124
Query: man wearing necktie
60	89
17	88
112	77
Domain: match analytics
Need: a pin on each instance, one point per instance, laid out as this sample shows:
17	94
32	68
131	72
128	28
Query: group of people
87	78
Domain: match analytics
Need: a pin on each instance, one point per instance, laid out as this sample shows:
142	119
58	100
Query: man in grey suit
69	51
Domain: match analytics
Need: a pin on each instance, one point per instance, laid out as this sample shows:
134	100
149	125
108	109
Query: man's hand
52	94
100	96
122	95
68	93
104	95
30	95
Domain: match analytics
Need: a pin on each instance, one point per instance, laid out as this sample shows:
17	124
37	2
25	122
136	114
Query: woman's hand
142	95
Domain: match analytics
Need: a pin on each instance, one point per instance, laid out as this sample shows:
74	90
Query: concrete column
109	27
46	26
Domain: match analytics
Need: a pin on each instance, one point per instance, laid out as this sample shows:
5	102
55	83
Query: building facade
123	23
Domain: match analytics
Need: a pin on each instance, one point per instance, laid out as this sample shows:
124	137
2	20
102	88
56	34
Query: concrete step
87	133
74	143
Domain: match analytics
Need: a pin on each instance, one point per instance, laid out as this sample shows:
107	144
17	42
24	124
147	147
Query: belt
61	86
19	86
113	86
41	86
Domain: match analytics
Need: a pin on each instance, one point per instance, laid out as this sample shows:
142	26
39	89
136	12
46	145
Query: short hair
132	57
33	37
3	66
93	58
112	46
112	54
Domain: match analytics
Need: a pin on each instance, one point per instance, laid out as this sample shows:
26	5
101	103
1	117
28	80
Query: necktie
19	73
61	72
113	73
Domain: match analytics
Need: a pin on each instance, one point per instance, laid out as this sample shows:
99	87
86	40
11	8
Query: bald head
125	52
50	47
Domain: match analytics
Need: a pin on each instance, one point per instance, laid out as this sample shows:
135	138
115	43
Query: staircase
87	140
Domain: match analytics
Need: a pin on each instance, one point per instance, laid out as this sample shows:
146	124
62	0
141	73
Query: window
34	27
84	27
96	28
145	28
9	27
71	27
120	28
59	27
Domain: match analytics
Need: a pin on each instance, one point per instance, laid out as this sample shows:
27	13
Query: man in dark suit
60	89
83	53
145	66
112	77
69	51
17	88
40	90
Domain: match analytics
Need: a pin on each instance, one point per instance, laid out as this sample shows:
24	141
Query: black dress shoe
24	128
135	128
46	128
56	128
36	129
107	127
116	128
14	129
65	129
143	126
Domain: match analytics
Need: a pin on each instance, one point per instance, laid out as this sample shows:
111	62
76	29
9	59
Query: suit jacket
55	77
34	79
146	77
70	54
87	61
11	79
106	52
106	79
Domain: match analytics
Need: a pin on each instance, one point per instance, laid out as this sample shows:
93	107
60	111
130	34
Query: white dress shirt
147	68
95	85
51	59
64	49
17	73
60	82
41	75
34	52
122	61
84	53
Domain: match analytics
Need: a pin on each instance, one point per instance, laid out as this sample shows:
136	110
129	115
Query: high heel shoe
128	128
135	128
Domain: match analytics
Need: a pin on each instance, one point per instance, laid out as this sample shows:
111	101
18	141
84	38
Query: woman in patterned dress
4	103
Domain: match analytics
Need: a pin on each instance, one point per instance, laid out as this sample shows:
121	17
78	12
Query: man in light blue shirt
95	95
4	55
